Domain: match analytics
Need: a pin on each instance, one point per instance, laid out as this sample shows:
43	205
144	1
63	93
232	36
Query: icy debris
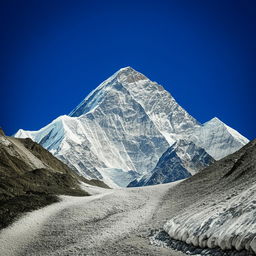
229	224
162	239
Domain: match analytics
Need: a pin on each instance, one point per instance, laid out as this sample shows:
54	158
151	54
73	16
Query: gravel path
110	222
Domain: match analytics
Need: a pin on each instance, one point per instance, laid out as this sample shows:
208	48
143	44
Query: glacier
121	129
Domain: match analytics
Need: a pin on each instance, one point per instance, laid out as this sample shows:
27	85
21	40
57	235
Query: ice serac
120	130
180	161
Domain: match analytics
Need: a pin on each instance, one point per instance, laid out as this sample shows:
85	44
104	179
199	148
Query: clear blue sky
53	53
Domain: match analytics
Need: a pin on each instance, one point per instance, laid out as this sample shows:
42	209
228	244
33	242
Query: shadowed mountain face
30	177
121	129
180	161
218	206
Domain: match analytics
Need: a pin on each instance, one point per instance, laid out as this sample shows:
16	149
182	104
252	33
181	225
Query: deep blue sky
53	53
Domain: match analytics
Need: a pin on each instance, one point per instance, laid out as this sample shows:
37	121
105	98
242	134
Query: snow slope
218	139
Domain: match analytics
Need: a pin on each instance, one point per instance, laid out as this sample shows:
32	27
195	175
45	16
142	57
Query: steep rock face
180	161
121	129
168	116
125	137
222	208
169	168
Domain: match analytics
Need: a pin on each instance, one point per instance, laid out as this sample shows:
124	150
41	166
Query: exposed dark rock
2	132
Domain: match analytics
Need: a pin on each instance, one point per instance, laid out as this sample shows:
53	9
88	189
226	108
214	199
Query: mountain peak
129	75
217	123
126	69
217	138
22	134
215	120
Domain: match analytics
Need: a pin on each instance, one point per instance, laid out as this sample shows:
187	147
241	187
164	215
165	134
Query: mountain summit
156	102
121	129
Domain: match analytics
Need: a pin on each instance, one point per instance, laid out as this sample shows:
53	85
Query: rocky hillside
31	177
217	206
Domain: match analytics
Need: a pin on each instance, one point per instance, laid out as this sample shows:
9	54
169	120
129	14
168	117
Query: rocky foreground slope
121	129
218	205
30	177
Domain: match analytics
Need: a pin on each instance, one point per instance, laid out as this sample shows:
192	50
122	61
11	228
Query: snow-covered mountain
122	128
